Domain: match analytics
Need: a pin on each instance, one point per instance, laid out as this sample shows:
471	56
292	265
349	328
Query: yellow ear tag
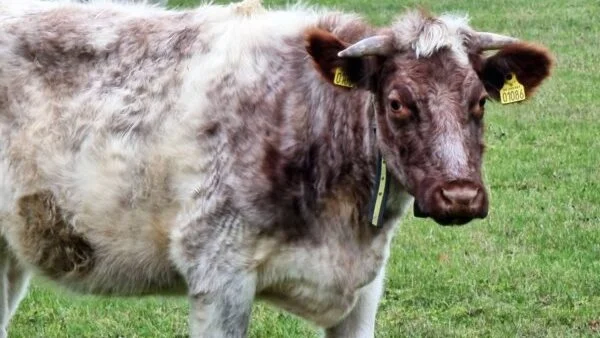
340	79
512	91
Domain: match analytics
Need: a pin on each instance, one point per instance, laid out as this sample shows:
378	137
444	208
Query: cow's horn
490	41
375	45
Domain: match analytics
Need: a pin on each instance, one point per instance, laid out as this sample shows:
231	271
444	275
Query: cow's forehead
425	35
437	85
442	69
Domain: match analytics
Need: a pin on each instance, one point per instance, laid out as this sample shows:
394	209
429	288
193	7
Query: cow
232	153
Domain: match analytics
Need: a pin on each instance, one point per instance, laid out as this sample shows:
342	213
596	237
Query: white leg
214	252
4	309
18	282
224	312
360	322
13	284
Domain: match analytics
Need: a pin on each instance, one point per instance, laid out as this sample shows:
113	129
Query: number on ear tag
340	79
512	91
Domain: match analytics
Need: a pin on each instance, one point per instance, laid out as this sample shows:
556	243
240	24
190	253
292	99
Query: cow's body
145	151
130	138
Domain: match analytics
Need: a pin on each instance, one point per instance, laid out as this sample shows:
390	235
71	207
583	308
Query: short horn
375	45
490	41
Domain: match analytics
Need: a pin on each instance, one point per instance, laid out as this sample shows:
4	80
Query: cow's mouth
457	220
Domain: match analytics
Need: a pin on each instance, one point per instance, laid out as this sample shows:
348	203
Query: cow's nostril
460	195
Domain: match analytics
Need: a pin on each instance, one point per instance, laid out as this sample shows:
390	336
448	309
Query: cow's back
78	79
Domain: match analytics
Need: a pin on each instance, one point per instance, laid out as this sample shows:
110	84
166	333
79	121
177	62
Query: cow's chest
321	284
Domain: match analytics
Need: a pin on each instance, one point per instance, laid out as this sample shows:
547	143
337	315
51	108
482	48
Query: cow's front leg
360	322
13	284
224	311
4	292
217	255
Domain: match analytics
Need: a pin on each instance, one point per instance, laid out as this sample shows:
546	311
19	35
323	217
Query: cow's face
430	123
430	131
430	106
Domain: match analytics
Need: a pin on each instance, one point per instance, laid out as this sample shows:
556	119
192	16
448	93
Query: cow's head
431	79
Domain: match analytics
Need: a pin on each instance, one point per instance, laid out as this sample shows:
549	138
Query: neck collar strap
379	194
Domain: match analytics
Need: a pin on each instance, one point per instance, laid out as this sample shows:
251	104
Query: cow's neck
348	159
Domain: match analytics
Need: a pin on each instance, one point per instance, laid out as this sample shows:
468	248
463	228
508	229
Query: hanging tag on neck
380	194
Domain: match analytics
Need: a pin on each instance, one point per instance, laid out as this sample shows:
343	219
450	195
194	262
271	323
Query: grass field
532	268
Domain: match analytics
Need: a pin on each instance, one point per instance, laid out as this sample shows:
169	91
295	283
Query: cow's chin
441	220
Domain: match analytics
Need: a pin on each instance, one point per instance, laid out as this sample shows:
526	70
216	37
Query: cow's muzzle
452	203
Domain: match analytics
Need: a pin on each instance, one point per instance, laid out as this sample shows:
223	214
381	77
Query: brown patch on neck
49	241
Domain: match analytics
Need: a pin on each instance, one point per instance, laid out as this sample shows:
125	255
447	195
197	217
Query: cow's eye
482	102
398	108
395	105
399	111
479	109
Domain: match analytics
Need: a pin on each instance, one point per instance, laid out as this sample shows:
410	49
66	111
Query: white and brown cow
234	153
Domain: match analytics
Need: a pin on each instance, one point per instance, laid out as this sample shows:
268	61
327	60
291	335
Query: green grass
532	268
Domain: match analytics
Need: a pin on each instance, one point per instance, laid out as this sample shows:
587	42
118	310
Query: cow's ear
530	63
323	47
